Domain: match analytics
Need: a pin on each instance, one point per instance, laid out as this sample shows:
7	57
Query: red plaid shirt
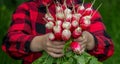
27	23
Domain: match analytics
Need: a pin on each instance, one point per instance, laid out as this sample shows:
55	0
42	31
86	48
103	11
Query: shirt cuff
27	44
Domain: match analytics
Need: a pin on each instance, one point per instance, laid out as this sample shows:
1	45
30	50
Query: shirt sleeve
103	43
17	41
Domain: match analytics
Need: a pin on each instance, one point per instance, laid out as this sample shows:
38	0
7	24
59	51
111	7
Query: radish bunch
67	23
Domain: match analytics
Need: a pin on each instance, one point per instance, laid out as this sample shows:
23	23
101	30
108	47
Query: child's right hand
53	48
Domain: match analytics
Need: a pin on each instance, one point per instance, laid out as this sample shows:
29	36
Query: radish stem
97	9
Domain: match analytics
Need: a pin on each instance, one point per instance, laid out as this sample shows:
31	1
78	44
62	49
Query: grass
109	11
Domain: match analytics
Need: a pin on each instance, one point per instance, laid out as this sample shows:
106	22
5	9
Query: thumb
80	39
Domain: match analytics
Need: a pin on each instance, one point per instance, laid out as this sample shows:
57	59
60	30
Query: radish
58	23
60	15
46	2
96	10
76	47
81	8
77	32
48	17
68	17
67	11
49	25
74	24
66	34
57	32
76	16
89	10
73	9
59	9
51	36
64	6
85	22
87	17
66	25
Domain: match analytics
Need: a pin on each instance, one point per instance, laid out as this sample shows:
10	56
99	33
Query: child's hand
86	41
53	48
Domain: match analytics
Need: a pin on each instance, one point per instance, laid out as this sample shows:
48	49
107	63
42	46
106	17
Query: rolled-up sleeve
17	41
103	43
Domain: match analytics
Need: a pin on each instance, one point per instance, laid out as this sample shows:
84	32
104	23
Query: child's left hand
86	41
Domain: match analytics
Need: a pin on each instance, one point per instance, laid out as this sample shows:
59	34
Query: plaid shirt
27	23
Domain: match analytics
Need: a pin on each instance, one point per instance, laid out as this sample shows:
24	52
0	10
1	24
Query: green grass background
110	12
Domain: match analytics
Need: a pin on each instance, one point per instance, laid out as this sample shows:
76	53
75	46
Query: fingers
83	37
55	43
55	55
80	39
83	47
51	45
55	50
58	47
58	42
82	42
82	50
58	51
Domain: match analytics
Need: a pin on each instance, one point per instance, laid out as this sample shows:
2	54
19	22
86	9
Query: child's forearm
36	43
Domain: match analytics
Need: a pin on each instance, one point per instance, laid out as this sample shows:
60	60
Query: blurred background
110	12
